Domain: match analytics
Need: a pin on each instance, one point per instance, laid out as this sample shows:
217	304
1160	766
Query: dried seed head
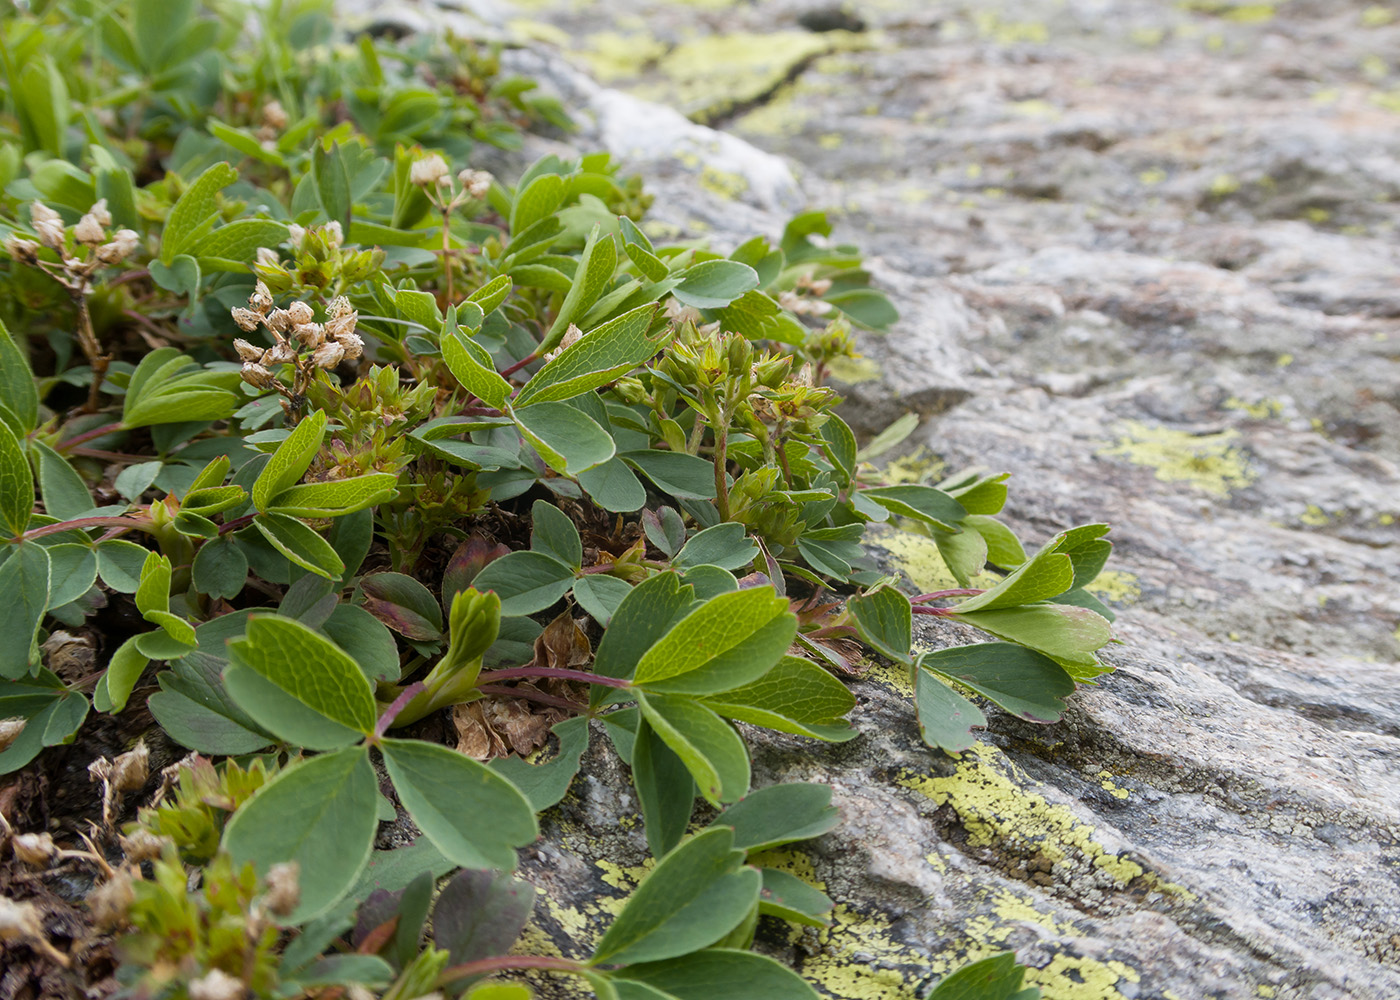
268	257
100	213
123	244
274	115
141	845
311	335
300	313
429	170
36	849
258	376
261	299
19	921
9	731
328	355
279	321
341	325
110	902
89	232
352	343
279	354
25	251
332	234
217	985
476	183
283	887
48	224
131	769
338	307
247	351
247	320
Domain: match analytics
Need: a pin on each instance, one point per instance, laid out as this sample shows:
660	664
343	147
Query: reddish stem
507	372
96	432
387	717
236	523
582	676
528	695
939	612
485	966
940	594
83	523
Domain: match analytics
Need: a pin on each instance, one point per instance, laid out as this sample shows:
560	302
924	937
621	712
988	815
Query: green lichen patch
1212	463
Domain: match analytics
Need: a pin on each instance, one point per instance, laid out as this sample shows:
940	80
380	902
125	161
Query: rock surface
1145	257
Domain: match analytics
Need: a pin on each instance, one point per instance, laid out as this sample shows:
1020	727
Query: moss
1209	462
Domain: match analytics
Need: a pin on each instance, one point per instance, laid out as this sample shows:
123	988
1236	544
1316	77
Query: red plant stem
940	594
387	717
582	676
480	411
96	432
236	523
126	276
532	356
86	522
528	695
483	966
940	612
823	633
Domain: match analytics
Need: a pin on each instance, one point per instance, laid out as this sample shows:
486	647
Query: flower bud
247	351
35	849
429	170
772	372
247	320
300	313
740	355
630	390
295	235
261	299
257	376
48	224
283	888
268	257
352	343
328	355
311	335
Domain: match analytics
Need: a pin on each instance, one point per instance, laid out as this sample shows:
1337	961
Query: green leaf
299	543
1068	634
1020	680
168	388
787	897
290	461
18	393
614	486
16	484
648	264
692	898
601	595
664	529
1003	547
546	784
720	972
712	751
491	294
332	182
885	621
123	671
153	594
72	570
867	307
923	503
24	580
730	640
526	582
194	213
568	440
119	564
403	604
796	696
42	101
832	550
840	446
725	545
713	284
319	813
997	977
946	718
1071	558
542	196
220	569
552	532
480	914
599	357
449	796
367	641
685	477
337	497
309	667
965	554
985	495
643	617
665	790
595	270
238	242
780	814
472	367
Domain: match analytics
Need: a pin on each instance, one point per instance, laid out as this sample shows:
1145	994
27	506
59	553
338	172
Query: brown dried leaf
562	644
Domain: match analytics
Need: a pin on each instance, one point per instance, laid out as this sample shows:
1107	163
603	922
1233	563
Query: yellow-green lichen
612	55
1073	977
1153	175
725	183
1116	585
1210	462
853	371
921	561
1261	409
1314	516
1106	783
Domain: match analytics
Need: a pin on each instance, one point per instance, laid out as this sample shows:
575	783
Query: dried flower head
36	849
23	250
89	232
429	170
283	887
100	213
257	376
110	902
279	354
342	325
295	235
300	313
141	845
48	224
328	355
123	244
247	351
22	923
247	320
131	769
311	335
476	183
217	985
261	299
274	116
352	343
268	257
279	321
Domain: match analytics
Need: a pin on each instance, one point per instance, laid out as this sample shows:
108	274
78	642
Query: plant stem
939	612
387	717
484	966
582	676
83	523
721	428
447	252
940	594
528	695
96	432
532	356
236	523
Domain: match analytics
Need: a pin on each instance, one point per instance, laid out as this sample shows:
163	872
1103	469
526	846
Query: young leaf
537	199
796	696
300	544
665	790
787	897
885	621
1020	680
568	440
123	671
643	617
450	797
685	477
491	294
472	367
725	545
319	813
664	529
600	357
595	270
997	977
713	284
692	898
193	215
526	582
290	461
16	484
712	751
546	784
337	497
310	668
922	503
946	718
552	532
24	580
730	640
780	814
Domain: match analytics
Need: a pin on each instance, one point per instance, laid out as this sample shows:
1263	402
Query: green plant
411	411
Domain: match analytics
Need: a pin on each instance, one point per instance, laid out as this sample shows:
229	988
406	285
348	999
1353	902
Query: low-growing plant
361	430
